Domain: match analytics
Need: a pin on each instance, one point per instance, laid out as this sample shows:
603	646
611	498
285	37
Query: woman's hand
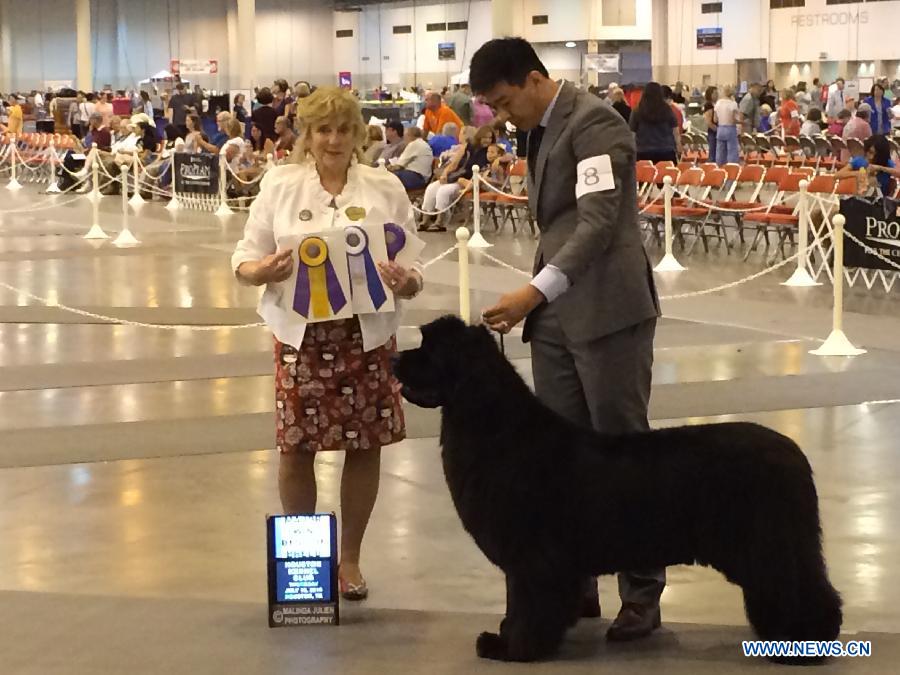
403	282
271	269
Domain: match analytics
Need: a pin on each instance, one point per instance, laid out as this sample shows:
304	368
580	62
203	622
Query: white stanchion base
137	200
837	344
94	195
53	189
224	210
801	279
96	232
669	264
478	241
13	184
126	238
173	204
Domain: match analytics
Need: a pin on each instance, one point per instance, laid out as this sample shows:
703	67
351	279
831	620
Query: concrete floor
135	469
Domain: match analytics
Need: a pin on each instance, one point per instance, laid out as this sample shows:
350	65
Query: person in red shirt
669	96
789	114
121	104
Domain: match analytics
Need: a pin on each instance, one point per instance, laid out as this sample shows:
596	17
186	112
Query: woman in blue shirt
881	110
877	161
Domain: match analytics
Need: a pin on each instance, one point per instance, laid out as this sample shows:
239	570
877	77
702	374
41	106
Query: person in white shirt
414	165
727	118
334	385
234	150
836	100
813	124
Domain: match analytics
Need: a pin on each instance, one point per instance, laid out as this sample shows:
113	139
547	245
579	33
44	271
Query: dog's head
432	374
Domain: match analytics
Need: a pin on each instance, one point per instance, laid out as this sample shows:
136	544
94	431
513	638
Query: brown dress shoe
633	622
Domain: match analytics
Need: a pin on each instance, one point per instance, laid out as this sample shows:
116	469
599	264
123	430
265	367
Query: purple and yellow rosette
394	239
318	289
362	267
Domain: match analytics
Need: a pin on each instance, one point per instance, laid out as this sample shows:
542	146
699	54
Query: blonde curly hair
332	105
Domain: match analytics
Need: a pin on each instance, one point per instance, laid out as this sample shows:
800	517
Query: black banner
878	225
197	173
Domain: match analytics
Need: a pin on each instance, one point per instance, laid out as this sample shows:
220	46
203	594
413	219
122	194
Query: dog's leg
539	610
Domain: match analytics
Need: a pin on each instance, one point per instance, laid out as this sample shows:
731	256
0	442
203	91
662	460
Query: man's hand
512	308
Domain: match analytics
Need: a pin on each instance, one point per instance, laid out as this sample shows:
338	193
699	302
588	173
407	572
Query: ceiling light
570	44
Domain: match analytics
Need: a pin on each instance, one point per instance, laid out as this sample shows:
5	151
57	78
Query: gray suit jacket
595	240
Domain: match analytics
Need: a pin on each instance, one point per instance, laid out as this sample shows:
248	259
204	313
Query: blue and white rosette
362	267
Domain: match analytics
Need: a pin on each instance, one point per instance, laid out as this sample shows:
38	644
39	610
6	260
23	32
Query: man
437	114
413	166
836	100
749	108
181	105
393	137
448	138
461	103
591	308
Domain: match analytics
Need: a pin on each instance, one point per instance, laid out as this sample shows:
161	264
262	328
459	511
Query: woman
709	114
283	103
264	116
440	194
16	122
104	107
880	119
728	117
146	105
789	114
770	95
836	128
334	387
877	162
373	146
284	138
803	99
618	102
196	141
240	112
655	127
233	150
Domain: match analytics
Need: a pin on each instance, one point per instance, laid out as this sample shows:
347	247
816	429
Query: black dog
551	503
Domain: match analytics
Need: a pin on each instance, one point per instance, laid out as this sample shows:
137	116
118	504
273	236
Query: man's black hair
667	92
503	60
396	125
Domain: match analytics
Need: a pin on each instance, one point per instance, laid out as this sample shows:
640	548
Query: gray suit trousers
603	384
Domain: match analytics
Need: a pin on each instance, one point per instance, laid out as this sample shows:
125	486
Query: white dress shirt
291	192
551	281
416	156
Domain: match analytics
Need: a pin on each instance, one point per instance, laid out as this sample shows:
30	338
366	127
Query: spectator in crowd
196	141
238	109
445	140
709	116
858	126
146	105
265	114
617	100
437	114
366	343
284	137
233	149
413	166
257	141
813	124
159	108
105	108
819	92
221	136
836	100
282	103
302	89
121	104
393	134
876	159
496	170
750	109
99	133
728	116
501	133
442	192
373	146
461	103
80	115
881	109
803	99
181	104
767	119
668	95
769	95
173	141
655	126
482	114
838	124
789	114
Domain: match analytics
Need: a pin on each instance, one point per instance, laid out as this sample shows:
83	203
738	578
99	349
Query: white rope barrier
462	193
493	188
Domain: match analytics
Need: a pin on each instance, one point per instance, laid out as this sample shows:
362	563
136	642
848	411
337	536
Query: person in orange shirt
437	114
16	118
789	114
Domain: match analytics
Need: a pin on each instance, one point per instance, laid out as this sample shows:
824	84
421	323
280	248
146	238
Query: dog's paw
491	646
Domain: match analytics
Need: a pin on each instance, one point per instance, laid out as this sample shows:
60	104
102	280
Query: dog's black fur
551	503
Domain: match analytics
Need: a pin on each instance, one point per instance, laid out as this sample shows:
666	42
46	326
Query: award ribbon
394	238
318	288
362	267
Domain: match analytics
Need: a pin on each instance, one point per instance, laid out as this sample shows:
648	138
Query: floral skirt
331	395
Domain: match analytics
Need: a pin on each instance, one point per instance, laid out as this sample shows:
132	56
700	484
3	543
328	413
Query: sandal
353	592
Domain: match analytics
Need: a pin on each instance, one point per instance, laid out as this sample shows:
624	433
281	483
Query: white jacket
290	191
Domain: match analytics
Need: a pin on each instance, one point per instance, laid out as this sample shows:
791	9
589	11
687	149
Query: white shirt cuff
551	282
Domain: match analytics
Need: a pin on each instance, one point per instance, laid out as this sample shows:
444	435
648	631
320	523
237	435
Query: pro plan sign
878	227
197	173
302	570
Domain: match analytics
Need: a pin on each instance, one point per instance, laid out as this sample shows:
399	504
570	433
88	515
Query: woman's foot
352	584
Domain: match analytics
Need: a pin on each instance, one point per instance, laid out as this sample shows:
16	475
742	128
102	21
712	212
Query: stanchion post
125	238
53	187
173	204
14	183
224	209
96	232
94	157
837	343
477	240
462	238
136	199
668	263
801	277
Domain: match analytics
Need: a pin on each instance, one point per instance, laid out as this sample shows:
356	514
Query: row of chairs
710	201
